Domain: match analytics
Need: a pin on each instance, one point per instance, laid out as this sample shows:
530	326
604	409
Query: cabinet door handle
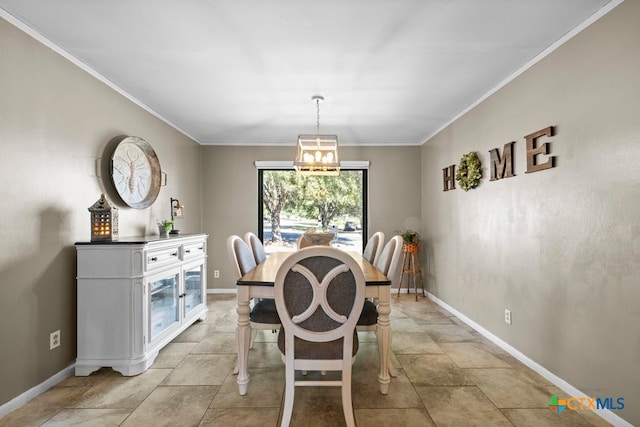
174	254
201	248
188	251
154	259
182	295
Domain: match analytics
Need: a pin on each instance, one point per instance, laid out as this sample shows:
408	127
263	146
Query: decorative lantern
104	221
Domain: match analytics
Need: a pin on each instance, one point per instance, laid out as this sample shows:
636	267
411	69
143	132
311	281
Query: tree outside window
292	204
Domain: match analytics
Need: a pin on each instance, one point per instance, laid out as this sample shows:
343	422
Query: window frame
362	166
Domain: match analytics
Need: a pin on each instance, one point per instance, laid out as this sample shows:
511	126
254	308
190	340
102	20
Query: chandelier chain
318	116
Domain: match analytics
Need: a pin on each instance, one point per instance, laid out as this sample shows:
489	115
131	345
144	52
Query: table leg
384	339
243	332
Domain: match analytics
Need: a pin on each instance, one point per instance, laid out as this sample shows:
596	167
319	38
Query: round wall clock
135	172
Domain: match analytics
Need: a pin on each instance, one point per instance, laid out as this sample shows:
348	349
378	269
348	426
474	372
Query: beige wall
560	248
55	121
230	187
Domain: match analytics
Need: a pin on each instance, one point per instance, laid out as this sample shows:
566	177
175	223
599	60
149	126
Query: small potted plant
411	240
410	236
164	227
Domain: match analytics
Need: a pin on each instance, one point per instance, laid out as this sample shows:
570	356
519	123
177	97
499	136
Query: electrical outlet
507	316
216	274
54	340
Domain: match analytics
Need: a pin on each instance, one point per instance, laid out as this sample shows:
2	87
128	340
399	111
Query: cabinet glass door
163	310
193	296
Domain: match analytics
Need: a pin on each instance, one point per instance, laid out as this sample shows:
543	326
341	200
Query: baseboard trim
34	392
605	414
221	291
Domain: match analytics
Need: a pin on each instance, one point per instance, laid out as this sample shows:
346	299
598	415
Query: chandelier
317	154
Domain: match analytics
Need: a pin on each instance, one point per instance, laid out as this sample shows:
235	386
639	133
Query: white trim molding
34	392
288	164
605	414
568	36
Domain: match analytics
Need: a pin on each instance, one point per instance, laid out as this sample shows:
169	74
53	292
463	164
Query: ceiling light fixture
317	154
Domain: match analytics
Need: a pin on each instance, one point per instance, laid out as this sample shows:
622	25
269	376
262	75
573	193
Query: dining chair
388	263
303	243
263	315
256	246
319	294
373	248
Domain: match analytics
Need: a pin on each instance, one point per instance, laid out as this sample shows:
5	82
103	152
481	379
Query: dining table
259	283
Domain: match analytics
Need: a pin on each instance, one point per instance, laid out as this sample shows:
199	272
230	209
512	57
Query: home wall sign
501	166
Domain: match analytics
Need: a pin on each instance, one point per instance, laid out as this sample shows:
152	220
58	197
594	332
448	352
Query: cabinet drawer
158	258
193	250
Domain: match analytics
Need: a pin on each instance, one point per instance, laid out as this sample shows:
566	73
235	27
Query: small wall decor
177	211
135	172
469	171
104	221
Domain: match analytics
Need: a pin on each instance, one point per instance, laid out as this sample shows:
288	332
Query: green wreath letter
469	171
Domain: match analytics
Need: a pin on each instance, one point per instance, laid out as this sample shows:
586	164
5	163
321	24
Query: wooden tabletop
265	273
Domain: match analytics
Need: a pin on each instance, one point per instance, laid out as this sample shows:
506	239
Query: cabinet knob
188	251
154	259
174	254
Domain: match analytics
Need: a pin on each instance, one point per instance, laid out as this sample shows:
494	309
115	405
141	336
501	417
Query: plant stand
411	267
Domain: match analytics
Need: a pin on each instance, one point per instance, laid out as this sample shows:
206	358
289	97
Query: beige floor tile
266	336
265	389
473	355
432	370
546	417
201	369
405	325
448	374
456	406
317	407
241	417
410	417
40	409
448	333
195	333
366	392
173	406
217	342
226	324
431	318
88	418
264	355
122	392
511	388
368	358
172	354
413	343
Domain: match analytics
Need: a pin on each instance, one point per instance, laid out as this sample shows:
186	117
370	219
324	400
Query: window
290	204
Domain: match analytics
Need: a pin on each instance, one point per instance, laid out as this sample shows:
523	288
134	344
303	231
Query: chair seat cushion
369	315
264	311
331	350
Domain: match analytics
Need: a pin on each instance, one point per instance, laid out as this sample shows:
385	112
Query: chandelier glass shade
317	154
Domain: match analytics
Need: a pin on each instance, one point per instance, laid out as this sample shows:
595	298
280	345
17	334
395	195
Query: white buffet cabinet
134	297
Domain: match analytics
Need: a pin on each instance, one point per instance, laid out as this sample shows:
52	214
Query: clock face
135	172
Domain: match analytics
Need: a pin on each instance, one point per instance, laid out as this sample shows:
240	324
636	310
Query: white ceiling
393	72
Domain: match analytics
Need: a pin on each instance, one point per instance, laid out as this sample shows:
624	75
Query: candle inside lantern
104	220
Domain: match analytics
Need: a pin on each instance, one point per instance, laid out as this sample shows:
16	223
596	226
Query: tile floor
448	375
